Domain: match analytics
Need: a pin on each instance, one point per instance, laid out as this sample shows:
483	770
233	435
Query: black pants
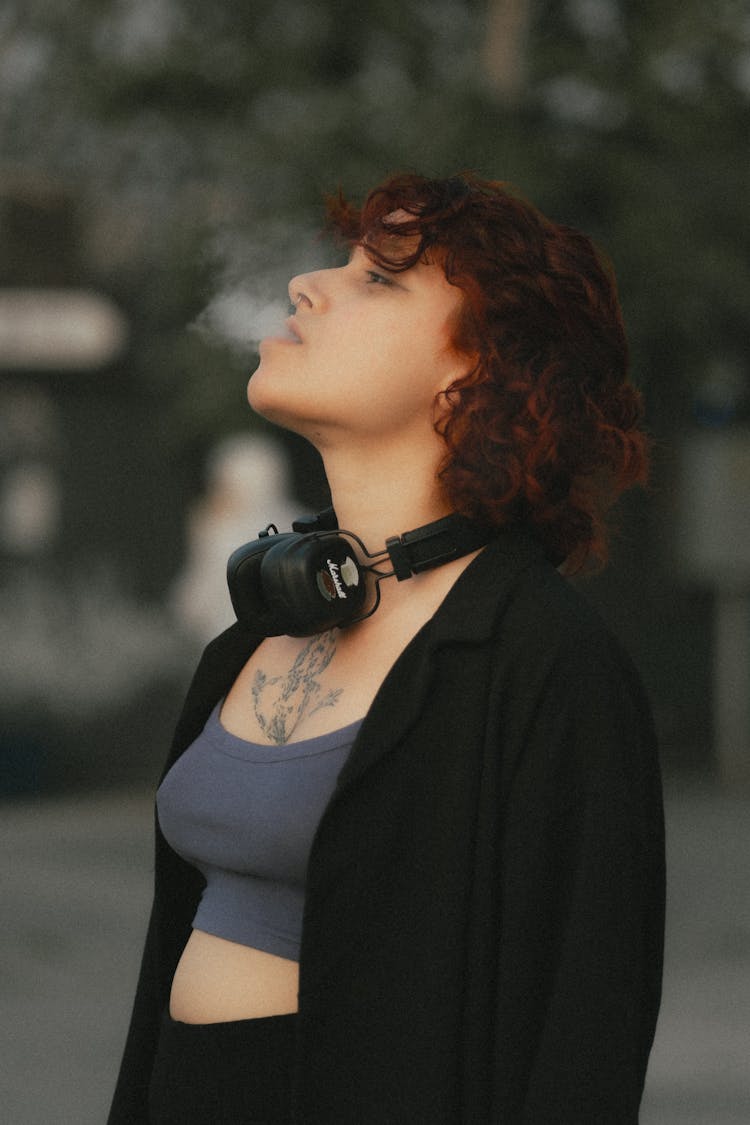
236	1073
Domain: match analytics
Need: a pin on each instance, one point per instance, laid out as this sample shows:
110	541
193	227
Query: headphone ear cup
245	583
312	583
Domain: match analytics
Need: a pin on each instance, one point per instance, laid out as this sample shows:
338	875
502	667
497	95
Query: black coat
482	939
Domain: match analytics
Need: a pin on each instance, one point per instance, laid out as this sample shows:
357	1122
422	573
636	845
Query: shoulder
550	622
590	722
533	621
563	685
219	666
223	657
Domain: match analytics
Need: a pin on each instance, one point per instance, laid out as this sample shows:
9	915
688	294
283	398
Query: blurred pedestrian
247	487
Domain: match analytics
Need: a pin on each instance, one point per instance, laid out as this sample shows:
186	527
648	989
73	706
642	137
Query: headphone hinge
397	552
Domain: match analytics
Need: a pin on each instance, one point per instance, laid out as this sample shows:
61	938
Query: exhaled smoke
251	290
241	318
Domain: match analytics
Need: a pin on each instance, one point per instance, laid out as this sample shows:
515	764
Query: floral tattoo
280	702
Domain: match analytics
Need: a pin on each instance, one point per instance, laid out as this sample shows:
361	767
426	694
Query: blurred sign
714	515
59	330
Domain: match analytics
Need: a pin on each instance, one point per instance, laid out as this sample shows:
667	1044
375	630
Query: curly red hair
545	427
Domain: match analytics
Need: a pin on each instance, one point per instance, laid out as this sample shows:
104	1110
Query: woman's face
365	354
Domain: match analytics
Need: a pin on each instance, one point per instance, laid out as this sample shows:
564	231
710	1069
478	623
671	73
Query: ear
467	372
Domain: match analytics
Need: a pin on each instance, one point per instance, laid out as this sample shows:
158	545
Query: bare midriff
218	980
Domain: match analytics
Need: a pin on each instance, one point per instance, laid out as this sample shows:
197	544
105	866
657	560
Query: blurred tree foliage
200	138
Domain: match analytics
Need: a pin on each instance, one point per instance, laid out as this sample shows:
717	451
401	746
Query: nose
305	291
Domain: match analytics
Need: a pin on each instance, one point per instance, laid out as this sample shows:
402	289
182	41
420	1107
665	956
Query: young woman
431	841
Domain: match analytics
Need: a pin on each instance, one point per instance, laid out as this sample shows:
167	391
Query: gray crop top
245	815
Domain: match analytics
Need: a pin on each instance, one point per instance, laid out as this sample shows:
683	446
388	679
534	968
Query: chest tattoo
280	702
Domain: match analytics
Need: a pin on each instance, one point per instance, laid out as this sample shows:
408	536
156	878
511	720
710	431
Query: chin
269	406
260	391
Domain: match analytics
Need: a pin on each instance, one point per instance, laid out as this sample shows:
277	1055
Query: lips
289	334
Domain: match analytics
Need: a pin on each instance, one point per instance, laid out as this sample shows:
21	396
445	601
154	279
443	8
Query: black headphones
312	578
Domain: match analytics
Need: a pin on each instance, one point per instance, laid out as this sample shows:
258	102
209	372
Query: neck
385	495
377	498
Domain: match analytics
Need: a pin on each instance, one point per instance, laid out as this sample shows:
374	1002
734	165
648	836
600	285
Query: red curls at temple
545	427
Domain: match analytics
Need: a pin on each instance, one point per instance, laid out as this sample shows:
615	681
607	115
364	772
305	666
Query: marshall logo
331	582
335	572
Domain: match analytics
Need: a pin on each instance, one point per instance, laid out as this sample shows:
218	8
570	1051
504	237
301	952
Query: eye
375	278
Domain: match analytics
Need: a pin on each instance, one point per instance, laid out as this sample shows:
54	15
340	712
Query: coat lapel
466	617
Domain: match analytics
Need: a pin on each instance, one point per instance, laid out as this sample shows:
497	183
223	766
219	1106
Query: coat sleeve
177	889
130	1100
582	894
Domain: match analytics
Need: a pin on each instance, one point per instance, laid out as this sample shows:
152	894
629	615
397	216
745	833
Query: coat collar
471	607
467	616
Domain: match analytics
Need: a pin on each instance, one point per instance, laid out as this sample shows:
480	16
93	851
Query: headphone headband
414	551
435	543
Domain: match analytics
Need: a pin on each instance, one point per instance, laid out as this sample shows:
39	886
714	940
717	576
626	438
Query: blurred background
162	166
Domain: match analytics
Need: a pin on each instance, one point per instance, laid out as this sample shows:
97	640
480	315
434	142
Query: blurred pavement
76	875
